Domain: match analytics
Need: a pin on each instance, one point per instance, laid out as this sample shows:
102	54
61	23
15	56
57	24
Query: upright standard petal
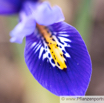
24	28
42	11
9	6
73	80
32	0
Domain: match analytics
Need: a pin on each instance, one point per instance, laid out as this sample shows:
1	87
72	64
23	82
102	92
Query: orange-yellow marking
55	51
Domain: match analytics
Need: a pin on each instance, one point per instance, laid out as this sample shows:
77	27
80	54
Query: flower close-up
55	52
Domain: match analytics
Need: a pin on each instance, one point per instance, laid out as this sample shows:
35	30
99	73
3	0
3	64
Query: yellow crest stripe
55	50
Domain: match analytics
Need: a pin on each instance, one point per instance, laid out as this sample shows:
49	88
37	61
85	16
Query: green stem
83	20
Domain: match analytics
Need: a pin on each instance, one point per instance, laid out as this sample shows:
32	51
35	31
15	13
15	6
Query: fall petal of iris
75	79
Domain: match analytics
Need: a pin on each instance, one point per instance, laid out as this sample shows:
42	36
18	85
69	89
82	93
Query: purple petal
42	11
32	0
26	9
75	79
24	28
9	6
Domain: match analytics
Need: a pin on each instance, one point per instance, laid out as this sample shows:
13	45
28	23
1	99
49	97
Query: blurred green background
17	85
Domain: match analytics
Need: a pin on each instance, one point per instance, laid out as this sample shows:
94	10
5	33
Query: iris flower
55	52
